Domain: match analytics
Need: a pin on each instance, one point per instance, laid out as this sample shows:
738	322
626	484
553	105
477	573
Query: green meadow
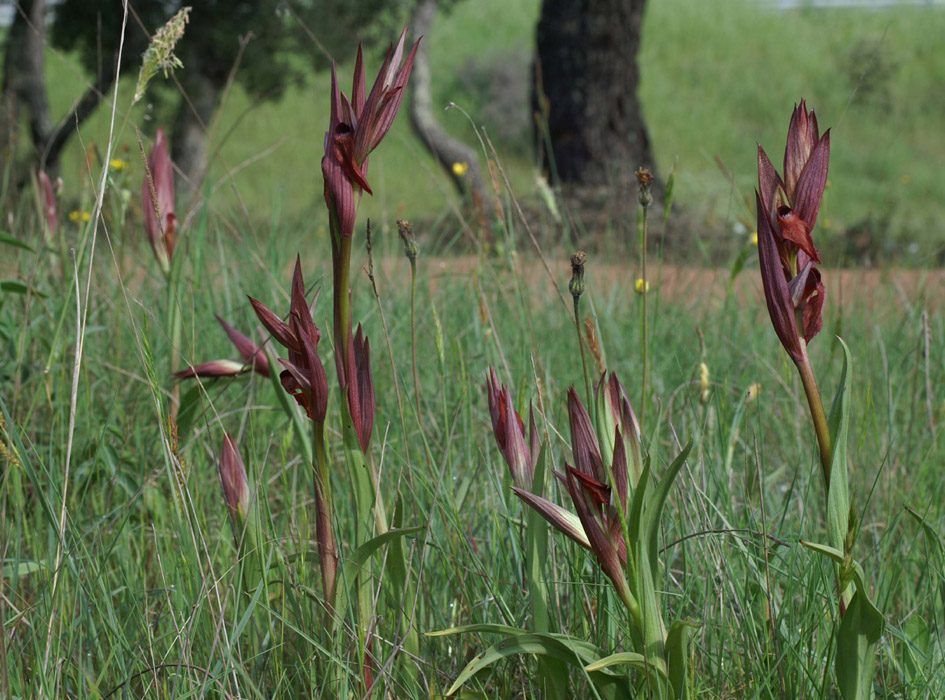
122	574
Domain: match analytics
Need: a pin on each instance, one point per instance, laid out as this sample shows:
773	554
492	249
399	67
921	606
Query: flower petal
795	229
777	295
812	180
362	361
584	446
561	519
247	349
280	331
802	135
214	368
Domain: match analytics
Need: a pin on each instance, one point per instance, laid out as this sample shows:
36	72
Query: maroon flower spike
509	430
49	201
233	478
602	528
618	423
597	525
160	223
787	212
357	127
253	359
359	388
587	457
304	375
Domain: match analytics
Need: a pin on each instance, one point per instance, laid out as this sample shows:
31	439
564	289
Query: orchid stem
342	296
577	328
816	413
327	551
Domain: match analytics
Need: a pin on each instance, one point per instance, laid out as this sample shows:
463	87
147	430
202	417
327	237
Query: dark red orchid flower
304	375
509	430
160	223
254	358
357	127
787	212
598	524
358	386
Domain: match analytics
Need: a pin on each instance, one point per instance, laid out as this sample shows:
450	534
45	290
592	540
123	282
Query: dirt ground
882	291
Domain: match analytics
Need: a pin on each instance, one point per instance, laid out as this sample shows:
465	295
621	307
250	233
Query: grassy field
119	575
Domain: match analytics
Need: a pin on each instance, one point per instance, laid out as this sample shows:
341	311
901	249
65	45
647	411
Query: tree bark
446	149
586	92
23	76
189	135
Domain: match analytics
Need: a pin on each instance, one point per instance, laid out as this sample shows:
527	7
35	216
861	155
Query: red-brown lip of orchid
598	491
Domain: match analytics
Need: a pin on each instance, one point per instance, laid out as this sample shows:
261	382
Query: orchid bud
234	481
616	419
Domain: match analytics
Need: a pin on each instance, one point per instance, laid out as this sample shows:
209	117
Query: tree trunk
444	147
189	135
586	90
23	77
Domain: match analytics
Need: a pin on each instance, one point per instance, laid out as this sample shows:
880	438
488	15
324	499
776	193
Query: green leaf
560	647
624	658
838	490
654	509
916	643
353	565
11	240
837	556
930	534
363	553
13	287
860	631
13	567
677	656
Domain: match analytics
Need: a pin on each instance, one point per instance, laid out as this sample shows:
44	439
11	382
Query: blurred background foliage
715	78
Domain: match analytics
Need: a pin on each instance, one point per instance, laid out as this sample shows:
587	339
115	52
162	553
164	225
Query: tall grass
150	598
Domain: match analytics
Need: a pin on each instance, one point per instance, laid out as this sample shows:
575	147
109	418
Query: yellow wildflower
753	391
641	286
77	215
754	238
117	164
460	169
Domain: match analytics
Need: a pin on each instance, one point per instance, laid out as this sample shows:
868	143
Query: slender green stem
577	328
644	336
817	413
327	550
413	335
342	306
